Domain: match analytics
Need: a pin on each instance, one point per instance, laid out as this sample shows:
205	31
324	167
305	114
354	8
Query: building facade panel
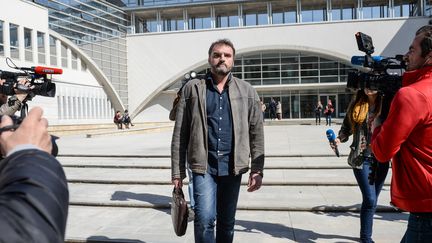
157	60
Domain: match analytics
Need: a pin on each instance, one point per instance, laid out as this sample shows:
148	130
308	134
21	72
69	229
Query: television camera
40	83
377	75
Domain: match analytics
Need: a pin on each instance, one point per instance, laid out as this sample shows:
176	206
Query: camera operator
9	107
33	188
406	136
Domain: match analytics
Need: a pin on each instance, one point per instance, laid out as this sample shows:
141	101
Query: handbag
179	212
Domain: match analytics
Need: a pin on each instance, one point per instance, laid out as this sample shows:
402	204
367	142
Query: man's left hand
255	181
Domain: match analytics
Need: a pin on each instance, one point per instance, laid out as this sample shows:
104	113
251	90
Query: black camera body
378	77
41	83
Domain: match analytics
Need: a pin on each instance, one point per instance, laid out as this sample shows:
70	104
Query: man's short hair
221	42
426	42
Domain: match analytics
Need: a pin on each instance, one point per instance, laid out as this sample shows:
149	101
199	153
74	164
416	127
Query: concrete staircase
136	190
105	129
120	191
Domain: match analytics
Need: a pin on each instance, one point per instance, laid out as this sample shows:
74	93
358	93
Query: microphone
40	70
47	70
331	136
359	60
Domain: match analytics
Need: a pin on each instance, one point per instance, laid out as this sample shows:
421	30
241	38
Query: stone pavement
120	191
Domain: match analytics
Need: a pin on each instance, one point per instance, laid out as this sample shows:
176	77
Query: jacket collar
209	78
410	77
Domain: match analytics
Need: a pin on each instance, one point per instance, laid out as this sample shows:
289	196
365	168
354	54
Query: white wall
74	84
155	60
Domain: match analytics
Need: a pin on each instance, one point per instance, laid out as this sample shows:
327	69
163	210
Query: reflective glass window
28	55
14	45
41	47
53	50
314	11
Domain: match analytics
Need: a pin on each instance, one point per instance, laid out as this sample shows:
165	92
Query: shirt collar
209	78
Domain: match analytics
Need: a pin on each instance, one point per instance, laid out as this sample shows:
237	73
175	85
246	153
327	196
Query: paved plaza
120	191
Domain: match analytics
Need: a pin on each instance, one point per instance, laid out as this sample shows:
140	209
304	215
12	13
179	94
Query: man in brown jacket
219	128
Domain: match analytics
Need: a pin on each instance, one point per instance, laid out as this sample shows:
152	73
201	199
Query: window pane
41	47
28	44
13	32
53	51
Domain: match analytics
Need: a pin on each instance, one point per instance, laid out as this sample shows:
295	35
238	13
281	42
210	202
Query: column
35	46
21	47
69	57
158	21
329	10
298	12
47	49
59	54
359	9
132	23
269	13
6	40
185	20
240	15
212	17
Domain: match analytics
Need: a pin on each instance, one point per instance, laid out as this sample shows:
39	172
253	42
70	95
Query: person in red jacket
406	137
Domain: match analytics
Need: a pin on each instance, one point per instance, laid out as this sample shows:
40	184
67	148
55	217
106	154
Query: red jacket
406	136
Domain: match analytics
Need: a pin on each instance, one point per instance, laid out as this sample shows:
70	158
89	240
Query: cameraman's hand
33	130
21	95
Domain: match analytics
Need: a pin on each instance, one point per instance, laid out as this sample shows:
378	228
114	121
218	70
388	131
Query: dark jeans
317	118
215	200
190	187
328	120
370	195
272	114
419	229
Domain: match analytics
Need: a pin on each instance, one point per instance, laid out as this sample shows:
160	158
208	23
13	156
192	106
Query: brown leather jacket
190	130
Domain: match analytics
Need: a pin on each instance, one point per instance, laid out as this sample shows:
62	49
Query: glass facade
157	16
286	72
99	29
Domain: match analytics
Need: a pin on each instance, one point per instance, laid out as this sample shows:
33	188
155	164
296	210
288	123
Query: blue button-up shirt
220	129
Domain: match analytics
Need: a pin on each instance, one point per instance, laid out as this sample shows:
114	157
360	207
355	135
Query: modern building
133	54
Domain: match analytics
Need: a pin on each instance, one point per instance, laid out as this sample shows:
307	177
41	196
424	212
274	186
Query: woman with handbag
370	175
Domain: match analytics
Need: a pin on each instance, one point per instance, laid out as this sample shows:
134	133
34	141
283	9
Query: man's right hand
33	130
178	183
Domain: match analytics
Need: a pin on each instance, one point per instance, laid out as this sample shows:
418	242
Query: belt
423	215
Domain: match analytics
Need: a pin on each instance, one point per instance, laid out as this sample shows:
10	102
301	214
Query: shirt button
220	108
220	118
220	97
220	129
218	139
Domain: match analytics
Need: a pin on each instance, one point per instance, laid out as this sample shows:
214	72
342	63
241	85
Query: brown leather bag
179	212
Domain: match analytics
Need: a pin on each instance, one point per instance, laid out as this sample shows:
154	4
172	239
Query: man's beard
221	69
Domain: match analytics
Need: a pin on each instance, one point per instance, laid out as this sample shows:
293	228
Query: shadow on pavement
388	213
284	232
158	202
100	239
145	197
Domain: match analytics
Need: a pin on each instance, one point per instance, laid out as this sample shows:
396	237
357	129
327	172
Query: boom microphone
359	60
331	136
44	70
